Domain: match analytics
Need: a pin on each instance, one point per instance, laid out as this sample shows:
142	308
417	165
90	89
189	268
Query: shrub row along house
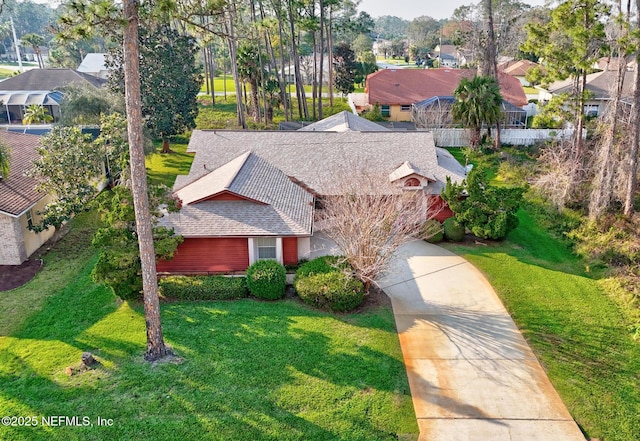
252	195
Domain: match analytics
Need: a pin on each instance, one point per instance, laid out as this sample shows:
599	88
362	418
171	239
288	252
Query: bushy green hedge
432	231
321	265
203	287
325	283
266	279
336	291
453	230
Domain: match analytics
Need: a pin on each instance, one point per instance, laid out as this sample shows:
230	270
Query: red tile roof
408	86
519	68
18	193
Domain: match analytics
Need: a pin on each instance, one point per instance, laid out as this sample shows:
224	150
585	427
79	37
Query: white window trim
253	250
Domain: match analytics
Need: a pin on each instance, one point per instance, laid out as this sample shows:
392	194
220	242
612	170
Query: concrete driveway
471	373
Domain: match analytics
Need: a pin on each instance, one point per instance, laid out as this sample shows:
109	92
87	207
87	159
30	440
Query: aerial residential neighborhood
319	221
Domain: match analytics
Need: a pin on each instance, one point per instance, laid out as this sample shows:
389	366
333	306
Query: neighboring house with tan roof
599	84
39	86
20	202
395	90
250	194
518	69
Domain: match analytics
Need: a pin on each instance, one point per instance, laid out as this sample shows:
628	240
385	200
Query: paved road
471	373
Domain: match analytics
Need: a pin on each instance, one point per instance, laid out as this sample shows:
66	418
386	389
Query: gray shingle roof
344	121
316	158
276	206
18	193
48	79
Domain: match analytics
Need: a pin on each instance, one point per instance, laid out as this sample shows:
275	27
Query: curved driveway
471	373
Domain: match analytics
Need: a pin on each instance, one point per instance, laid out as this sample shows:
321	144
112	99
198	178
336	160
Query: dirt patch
14	276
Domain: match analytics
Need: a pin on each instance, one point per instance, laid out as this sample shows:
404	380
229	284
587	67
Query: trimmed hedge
336	291
431	231
203	287
453	230
266	279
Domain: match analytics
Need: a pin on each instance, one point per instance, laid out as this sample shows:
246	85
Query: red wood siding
226	196
438	209
202	255
290	250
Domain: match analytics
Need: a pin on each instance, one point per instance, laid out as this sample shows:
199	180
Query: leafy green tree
169	81
35	41
488	212
569	44
554	114
477	102
36	114
345	68
5	161
70	166
119	265
84	105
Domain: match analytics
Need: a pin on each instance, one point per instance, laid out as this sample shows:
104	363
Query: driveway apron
471	373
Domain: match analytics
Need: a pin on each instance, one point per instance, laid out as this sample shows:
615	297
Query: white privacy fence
460	137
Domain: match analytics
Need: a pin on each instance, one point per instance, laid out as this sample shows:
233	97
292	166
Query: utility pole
15	43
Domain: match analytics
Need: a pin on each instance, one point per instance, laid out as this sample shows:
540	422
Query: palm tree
5	161
35	41
36	114
477	102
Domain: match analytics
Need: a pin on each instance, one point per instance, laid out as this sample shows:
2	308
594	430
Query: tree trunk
229	28
303	110
321	58
165	145
155	342
330	54
632	180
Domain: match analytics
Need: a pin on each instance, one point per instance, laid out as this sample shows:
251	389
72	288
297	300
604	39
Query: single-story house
435	113
250	194
44	87
518	69
94	64
20	202
396	90
598	83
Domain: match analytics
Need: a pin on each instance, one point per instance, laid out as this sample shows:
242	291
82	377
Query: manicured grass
162	168
219	84
246	370
575	329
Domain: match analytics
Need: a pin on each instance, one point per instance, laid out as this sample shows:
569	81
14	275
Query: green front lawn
247	370
577	331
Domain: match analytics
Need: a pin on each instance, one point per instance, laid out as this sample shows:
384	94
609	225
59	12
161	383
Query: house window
29	218
592	110
385	110
412	182
405	108
266	248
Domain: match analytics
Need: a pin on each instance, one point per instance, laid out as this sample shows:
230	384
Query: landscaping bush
335	290
453	230
266	279
432	231
320	265
203	287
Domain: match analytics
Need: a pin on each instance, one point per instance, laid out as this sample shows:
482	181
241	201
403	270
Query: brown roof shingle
18	193
409	86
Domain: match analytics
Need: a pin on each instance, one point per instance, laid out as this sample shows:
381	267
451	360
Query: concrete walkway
471	373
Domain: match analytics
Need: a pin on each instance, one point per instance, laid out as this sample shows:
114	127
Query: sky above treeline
410	9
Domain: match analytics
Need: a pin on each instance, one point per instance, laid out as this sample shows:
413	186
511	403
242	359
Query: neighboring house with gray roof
20	202
42	87
94	64
250	194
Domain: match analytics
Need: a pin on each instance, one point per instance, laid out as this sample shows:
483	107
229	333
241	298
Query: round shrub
336	291
266	279
431	231
453	230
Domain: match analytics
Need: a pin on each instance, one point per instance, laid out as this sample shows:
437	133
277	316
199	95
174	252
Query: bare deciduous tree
369	218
